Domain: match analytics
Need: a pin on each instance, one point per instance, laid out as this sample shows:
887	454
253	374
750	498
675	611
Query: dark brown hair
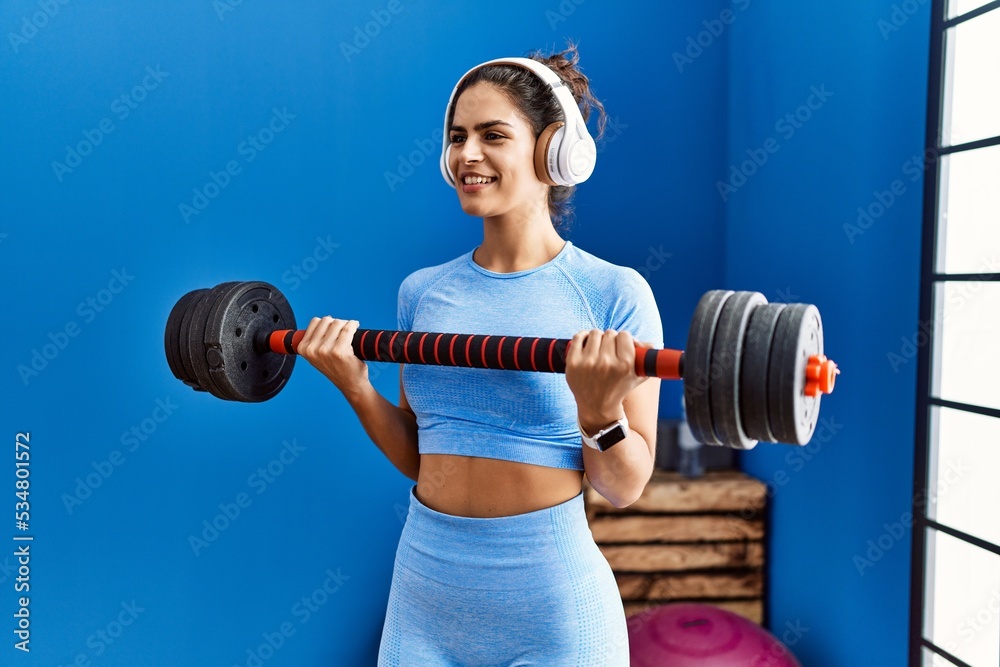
539	106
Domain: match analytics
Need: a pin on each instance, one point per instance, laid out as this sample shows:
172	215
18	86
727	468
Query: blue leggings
511	591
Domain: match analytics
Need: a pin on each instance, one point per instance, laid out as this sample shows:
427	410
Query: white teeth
477	180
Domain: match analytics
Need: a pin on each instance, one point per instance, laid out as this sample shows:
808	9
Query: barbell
752	371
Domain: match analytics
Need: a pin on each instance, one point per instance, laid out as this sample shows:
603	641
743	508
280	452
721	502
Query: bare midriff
479	487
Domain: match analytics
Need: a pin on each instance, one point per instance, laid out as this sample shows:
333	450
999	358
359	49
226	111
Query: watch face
612	437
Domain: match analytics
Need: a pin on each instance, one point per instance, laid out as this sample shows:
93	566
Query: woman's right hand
327	346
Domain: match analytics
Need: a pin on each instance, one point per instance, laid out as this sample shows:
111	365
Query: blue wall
127	463
840	541
342	202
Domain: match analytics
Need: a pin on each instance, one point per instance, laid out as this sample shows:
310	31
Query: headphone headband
566	153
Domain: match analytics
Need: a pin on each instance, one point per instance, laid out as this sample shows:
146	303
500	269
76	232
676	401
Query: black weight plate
192	345
171	335
754	370
797	336
196	338
223	297
241	371
185	319
697	365
727	357
184	352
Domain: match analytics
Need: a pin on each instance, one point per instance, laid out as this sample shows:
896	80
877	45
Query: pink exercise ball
699	635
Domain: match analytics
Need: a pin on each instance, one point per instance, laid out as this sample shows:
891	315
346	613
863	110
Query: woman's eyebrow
481	126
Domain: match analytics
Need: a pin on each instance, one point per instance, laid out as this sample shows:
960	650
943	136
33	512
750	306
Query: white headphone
565	153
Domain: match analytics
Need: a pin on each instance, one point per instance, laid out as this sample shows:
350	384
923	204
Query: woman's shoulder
620	298
421	278
604	274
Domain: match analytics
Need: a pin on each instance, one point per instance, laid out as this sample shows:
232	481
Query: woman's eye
490	136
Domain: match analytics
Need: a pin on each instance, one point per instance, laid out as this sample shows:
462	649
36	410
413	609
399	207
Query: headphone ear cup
449	177
582	159
577	155
547	153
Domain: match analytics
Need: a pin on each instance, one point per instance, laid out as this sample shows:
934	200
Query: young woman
496	564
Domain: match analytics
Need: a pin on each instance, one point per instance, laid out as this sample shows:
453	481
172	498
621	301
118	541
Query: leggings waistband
537	522
522	547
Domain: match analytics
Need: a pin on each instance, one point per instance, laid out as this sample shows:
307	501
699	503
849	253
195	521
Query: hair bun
566	65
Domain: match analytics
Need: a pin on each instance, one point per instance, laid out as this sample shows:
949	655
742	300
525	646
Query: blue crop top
523	416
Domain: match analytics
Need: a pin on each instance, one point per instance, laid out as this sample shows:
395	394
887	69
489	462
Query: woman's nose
471	151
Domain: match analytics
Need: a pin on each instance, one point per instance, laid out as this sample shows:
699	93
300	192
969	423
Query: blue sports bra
523	416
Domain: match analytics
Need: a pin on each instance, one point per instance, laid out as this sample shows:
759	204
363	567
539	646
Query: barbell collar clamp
821	375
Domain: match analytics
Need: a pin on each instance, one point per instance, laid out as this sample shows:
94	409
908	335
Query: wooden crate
685	540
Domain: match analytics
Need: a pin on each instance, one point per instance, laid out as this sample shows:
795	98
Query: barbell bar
752	371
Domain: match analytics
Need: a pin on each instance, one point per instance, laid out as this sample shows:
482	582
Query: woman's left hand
600	371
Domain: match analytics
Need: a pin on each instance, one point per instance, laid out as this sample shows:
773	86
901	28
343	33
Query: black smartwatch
607	437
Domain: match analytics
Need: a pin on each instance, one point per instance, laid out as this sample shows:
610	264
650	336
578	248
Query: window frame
926	445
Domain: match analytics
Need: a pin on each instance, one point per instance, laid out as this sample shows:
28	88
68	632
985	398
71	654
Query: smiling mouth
472	184
474	180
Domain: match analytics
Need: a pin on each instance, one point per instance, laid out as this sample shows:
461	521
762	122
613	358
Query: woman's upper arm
641	406
402	394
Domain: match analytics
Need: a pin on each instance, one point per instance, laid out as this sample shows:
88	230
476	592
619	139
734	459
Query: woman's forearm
619	474
391	428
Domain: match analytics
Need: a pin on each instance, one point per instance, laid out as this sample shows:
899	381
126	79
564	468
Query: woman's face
492	154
